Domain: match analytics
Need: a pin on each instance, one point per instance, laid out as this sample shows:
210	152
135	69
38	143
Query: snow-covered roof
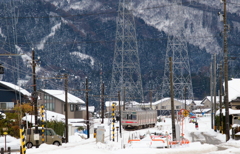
198	103
49	115
231	111
161	100
77	122
233	89
109	103
201	110
15	87
90	108
54	116
217	98
60	94
188	101
167	98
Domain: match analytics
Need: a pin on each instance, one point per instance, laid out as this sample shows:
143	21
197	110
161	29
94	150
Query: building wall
166	105
10	98
58	106
109	108
81	114
207	103
234	105
51	103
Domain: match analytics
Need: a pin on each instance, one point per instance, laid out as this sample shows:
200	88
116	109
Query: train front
129	120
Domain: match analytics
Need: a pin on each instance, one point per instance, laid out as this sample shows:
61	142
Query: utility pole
35	96
226	70
120	115
214	90
220	96
102	94
150	97
124	105
185	89
172	99
87	108
66	106
102	103
211	92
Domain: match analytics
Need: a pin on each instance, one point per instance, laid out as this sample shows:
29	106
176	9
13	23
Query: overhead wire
111	41
15	69
94	19
97	13
151	39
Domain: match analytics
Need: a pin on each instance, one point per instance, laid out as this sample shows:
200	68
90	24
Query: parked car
50	137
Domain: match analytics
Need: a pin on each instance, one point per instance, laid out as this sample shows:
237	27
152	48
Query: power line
14	69
91	14
111	41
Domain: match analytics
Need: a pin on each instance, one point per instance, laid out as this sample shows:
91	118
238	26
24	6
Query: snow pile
10	142
232	146
79	145
109	146
77	137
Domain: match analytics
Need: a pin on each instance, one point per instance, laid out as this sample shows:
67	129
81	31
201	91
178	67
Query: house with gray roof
54	100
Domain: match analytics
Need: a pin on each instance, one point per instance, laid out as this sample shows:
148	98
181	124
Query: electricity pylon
177	49
126	75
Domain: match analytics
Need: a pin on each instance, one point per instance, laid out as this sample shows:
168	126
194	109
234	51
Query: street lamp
5	129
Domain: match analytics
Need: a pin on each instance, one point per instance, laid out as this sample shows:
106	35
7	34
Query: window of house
47	97
6	105
71	107
3	105
40	95
77	107
163	107
178	107
50	106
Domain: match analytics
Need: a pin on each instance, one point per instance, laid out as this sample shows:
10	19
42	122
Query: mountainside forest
78	36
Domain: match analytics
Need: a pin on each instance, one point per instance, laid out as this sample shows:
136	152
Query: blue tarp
85	131
192	114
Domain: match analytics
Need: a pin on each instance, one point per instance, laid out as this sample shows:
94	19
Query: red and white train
138	119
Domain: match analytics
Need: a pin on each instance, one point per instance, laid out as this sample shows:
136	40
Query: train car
138	119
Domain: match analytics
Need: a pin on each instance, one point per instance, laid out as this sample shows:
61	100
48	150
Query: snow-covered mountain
78	36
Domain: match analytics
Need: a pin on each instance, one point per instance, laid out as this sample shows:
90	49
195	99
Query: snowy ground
78	145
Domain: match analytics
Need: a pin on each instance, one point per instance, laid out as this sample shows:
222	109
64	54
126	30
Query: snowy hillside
79	36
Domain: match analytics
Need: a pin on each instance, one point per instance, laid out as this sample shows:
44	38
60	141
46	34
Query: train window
129	116
134	117
124	116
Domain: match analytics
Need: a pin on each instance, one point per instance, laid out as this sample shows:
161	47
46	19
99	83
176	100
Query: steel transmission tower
177	49
126	75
